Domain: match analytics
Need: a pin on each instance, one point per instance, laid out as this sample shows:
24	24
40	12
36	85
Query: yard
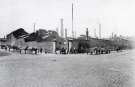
76	70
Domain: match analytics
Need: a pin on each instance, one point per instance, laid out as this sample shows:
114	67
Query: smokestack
95	33
72	21
57	30
112	35
66	33
100	31
75	34
62	35
34	27
87	33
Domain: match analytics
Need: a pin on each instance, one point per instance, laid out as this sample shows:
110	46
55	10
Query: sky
117	16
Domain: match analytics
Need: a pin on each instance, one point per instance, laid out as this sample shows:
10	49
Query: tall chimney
112	35
95	33
4	36
74	34
72	21
65	33
87	33
100	31
62	35
57	30
34	27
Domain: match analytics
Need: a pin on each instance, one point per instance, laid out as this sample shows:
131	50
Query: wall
20	42
11	40
49	46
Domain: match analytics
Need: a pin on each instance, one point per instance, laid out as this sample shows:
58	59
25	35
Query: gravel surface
77	70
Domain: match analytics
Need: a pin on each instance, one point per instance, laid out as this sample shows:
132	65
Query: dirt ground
77	70
3	53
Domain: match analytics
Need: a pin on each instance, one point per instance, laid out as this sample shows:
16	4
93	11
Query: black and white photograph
67	43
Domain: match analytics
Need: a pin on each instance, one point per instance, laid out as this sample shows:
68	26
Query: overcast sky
116	16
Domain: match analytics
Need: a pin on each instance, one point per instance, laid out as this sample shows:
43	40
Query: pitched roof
42	35
32	37
17	33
